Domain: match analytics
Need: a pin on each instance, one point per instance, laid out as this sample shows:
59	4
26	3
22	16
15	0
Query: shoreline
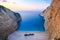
19	35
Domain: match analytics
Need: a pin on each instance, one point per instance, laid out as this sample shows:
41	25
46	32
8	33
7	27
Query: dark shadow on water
42	22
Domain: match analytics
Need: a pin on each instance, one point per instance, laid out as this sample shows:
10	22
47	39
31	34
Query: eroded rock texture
8	22
52	20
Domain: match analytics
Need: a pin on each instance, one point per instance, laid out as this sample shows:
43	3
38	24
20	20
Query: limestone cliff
8	22
52	20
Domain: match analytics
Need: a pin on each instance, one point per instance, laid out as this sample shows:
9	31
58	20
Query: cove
31	21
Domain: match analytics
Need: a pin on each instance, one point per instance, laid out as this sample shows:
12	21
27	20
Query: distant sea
31	21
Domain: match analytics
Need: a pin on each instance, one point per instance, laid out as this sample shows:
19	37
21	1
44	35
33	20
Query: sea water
31	21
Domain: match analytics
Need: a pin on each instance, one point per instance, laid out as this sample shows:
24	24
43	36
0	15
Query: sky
25	4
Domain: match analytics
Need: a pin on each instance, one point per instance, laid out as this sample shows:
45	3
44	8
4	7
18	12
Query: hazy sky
25	4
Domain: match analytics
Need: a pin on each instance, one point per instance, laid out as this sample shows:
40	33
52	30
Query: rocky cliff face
52	20
8	22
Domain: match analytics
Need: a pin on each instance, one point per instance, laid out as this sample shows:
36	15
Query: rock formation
52	20
8	22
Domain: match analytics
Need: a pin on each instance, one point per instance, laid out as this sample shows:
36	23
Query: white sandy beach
20	36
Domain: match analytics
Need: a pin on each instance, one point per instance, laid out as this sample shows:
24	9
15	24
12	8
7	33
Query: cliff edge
52	20
8	22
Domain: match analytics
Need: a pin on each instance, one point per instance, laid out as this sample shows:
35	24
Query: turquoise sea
31	21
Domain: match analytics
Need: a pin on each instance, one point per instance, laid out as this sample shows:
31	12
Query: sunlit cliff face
52	20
